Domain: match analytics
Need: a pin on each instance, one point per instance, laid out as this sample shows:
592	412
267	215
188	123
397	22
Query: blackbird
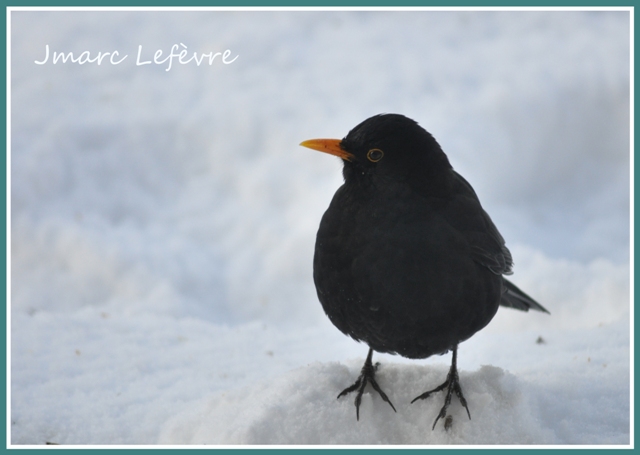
406	259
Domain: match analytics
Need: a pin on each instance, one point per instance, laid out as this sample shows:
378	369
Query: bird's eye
375	155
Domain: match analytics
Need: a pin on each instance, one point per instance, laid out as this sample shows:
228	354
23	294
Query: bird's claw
452	384
366	376
427	394
351	388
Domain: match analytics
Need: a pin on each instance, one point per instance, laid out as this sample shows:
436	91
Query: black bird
406	259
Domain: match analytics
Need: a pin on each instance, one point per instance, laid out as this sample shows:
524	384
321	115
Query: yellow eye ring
375	155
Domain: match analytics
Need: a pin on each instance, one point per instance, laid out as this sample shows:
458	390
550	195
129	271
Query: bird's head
387	146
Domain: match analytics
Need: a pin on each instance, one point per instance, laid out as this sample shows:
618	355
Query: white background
163	224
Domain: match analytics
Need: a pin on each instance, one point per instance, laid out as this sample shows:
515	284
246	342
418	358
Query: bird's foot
366	376
452	384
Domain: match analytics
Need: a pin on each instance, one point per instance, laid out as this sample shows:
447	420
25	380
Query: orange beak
330	146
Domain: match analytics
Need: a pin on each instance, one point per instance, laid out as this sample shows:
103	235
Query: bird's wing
489	253
488	248
487	245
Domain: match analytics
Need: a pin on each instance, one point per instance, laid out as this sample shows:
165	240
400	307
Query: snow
163	224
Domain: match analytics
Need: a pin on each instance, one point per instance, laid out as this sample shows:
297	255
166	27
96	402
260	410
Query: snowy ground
163	223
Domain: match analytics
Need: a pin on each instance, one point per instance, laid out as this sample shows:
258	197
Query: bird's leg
452	384
366	376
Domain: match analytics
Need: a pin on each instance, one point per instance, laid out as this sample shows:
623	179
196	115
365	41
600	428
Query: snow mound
300	407
583	402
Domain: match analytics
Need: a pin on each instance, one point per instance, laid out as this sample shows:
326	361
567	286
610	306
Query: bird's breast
389	270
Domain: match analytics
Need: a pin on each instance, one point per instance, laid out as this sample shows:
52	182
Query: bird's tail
513	297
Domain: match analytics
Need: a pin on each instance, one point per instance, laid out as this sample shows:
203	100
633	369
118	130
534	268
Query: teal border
266	3
323	3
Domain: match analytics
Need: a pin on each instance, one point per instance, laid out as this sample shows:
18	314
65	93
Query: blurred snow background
163	224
